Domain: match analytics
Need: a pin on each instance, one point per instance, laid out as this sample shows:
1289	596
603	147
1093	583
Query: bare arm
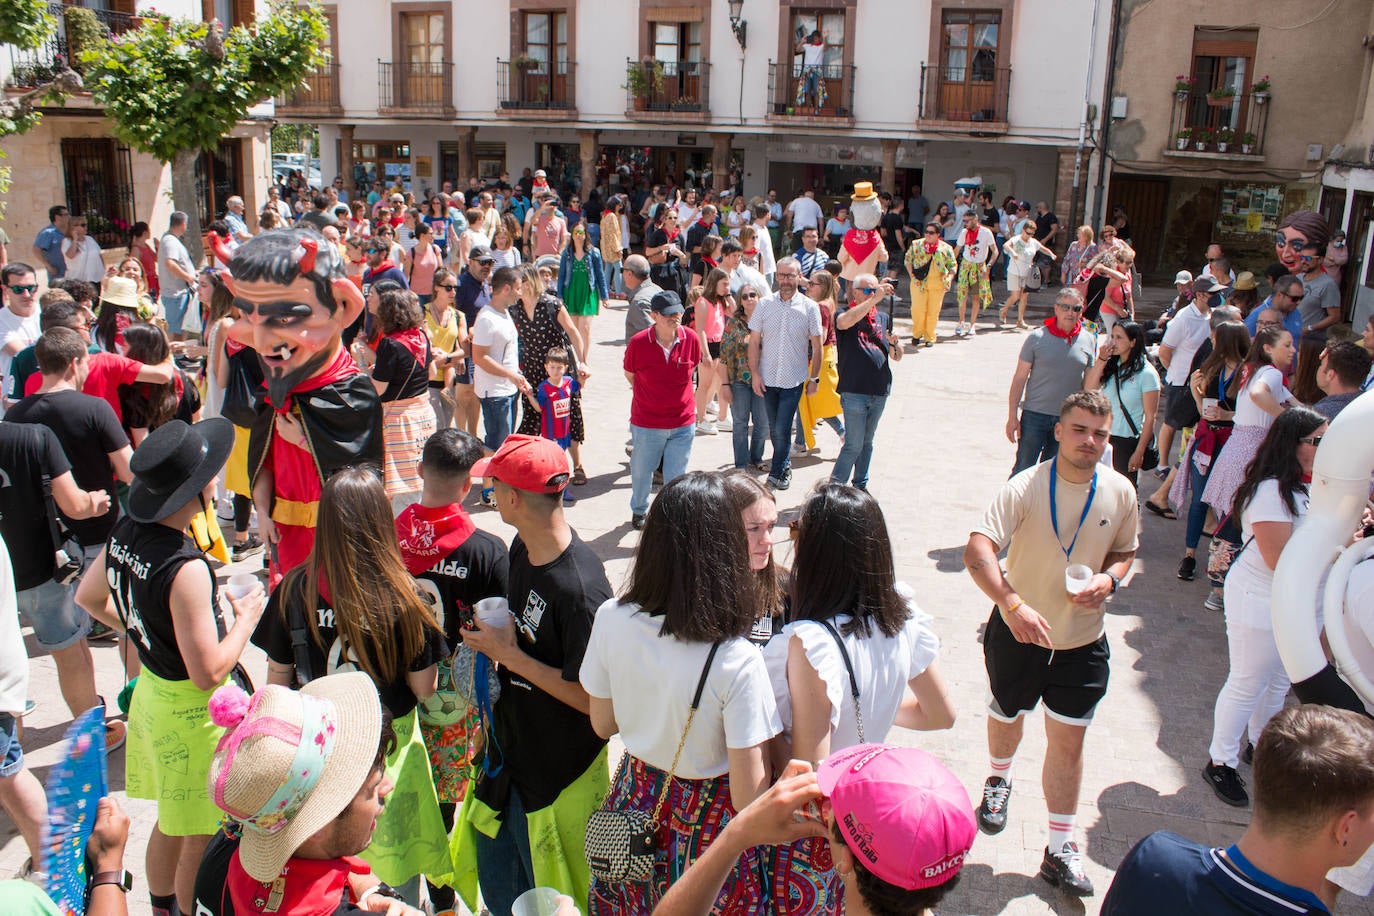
603	717
574	336
423	683
980	559
1264	399
481	357
1018	388
927	707
93	594
498	643
749	774
209	659
119	460
1166	355
75	502
1270	539
810	706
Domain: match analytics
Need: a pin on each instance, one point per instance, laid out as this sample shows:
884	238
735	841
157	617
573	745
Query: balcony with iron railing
1215	125
968	99
415	88
318	93
798	94
675	91
39	65
531	88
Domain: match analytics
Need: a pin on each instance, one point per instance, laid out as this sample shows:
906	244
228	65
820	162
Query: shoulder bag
853	681
69	560
621	846
1150	460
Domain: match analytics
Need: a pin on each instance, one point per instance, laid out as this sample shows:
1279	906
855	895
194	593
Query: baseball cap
539	173
529	463
666	302
1208	285
481	253
1183	278
907	817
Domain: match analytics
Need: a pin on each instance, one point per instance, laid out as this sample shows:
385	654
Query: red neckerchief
860	243
971	235
1052	325
751	252
428	534
932	247
386	264
705	222
232	347
413	339
312	887
710	262
339	368
671	232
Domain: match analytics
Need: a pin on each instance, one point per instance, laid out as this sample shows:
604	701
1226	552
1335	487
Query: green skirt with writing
410	838
167	757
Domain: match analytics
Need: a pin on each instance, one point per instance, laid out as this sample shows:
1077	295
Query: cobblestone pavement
940	454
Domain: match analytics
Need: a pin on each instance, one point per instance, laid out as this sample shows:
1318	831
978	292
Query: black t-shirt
546	743
141	562
273	636
89	431
893	231
468	296
477	568
1044	223
654	237
990	217
695	233
861	351
405	376
27	453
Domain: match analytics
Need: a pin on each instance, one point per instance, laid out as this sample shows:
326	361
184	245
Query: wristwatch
121	879
1116	582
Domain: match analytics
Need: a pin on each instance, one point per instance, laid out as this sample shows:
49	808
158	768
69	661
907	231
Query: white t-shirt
686	213
883	666
14	327
651	680
14	662
1022	253
978	251
1248	413
1185	334
86	263
806	214
172	249
813	55
496	331
1250	582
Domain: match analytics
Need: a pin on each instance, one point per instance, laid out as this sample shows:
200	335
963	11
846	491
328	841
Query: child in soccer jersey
553	400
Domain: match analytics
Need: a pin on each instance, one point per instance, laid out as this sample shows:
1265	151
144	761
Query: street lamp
737	25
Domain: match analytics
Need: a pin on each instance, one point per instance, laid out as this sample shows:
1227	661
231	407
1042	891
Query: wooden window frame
518	9
245	12
787	41
938	8
659	11
401	10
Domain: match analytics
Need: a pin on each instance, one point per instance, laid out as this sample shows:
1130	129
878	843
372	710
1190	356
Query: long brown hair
1231	345
148	405
378	612
712	283
744	491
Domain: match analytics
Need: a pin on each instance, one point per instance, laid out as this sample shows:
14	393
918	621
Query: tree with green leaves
173	88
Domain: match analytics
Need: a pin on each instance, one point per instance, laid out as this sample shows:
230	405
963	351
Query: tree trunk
184	199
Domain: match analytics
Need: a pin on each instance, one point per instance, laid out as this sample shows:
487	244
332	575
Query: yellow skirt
236	468
826	401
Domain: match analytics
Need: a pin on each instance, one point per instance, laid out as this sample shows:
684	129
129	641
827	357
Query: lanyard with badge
1054	509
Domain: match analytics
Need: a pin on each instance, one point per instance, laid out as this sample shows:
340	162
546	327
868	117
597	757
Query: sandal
579	477
1162	513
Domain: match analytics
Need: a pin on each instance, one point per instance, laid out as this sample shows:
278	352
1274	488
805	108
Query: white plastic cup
493	611
1077	577
542	901
1209	404
242	585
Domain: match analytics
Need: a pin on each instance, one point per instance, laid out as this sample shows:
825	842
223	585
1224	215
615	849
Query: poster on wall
1249	209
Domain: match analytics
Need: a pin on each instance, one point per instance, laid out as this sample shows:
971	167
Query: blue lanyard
1054	508
1223	381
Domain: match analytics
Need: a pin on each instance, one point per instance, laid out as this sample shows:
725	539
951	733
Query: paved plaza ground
940	455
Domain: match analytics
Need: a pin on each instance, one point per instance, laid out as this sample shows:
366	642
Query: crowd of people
319	385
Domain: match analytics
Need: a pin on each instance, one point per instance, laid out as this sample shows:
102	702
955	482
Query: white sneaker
724	423
800	451
712	410
706	428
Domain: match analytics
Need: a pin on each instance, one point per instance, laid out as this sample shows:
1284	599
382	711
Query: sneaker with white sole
725	424
712	410
706	428
1214	602
1064	869
992	813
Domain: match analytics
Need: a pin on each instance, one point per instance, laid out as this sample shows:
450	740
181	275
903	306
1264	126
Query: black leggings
243	513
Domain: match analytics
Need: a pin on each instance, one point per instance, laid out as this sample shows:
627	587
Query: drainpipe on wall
1083	122
1104	144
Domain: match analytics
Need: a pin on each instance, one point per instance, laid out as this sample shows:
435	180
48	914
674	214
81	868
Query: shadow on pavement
971	896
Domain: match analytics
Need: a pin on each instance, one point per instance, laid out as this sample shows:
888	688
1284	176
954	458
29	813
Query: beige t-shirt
1020	515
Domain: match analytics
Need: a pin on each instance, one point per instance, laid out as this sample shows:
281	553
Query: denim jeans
505	867
498	419
1037	440
834	423
1197	509
782	411
672	446
746	406
861	415
613	281
175	306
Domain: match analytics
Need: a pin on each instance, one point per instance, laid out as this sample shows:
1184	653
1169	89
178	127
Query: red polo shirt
106	372
663	394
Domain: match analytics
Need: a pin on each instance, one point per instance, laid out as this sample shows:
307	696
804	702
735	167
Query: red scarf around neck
1052	325
428	534
860	243
971	235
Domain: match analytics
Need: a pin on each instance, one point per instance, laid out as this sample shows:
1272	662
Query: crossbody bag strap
853	681
50	505
300	637
1135	430
682	742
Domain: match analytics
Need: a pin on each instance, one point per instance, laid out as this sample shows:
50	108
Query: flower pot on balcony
1224	102
1261	97
1201	146
1222	147
1247	148
1182	143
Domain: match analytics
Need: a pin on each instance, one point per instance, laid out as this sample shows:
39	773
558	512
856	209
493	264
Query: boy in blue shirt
553	400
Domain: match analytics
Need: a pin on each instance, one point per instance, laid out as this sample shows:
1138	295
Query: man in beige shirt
1042	642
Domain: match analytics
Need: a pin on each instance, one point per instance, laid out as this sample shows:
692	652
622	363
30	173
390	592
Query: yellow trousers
926	299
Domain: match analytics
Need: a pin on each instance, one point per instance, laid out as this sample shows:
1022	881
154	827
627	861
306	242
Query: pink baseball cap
907	818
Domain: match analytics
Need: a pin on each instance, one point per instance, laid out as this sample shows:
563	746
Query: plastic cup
242	585
1077	577
542	901
1209	404
493	612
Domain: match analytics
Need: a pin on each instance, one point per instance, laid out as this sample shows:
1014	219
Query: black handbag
621	845
243	391
69	560
1150	460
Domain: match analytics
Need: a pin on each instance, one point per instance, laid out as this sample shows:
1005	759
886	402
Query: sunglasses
1312	440
749	295
448	286
932	232
1069	308
867	290
1292	243
21	290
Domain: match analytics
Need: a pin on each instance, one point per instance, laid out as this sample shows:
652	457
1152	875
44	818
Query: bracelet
1013	607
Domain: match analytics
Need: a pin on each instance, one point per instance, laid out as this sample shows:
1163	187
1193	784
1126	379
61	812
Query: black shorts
1020	675
713	347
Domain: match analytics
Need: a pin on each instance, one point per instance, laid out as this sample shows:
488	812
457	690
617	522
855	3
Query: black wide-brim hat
174	464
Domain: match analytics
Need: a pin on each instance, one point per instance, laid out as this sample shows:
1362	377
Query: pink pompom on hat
904	815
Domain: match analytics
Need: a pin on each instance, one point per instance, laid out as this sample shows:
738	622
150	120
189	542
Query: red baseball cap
529	463
906	817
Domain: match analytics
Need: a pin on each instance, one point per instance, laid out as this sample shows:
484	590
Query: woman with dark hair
747	408
661	245
1132	386
710	310
145	406
1215	388
378	623
447	328
401	377
542	323
581	280
440	224
944	218
707	260
1272	502
1262	398
759	510
614	244
853	628
425	258
680	630
142	246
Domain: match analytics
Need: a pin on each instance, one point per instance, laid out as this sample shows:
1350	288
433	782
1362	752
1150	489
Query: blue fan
75	785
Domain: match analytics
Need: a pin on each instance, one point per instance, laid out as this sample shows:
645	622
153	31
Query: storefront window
385	161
